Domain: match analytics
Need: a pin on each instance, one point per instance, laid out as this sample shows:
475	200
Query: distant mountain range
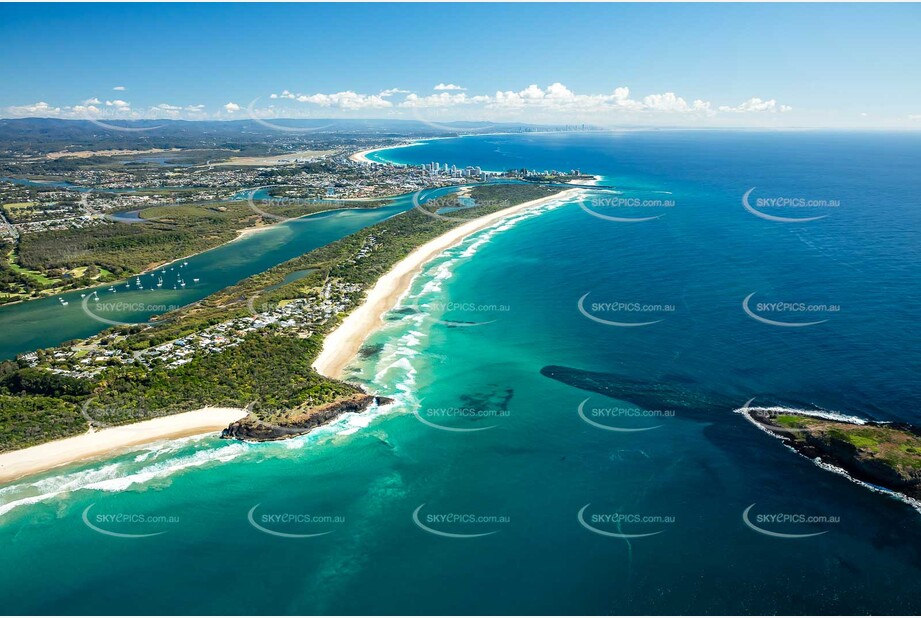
36	135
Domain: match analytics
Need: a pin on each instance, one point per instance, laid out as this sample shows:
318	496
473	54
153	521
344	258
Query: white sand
105	442
362	157
343	344
339	348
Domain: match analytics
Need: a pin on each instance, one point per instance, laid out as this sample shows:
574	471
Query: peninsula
269	349
884	456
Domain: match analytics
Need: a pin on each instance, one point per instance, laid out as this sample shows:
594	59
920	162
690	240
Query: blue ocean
704	270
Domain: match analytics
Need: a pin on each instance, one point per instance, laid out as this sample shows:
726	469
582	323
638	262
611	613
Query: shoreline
241	233
362	155
107	442
339	348
342	344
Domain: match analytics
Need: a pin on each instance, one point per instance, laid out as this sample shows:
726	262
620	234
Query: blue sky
776	65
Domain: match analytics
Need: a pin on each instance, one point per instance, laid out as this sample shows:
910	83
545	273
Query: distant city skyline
685	65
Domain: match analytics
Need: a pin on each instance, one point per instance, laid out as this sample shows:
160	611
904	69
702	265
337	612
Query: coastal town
296	317
93	230
86	197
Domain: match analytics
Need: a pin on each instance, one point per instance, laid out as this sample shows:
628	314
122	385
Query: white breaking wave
395	369
118	476
396	377
829	415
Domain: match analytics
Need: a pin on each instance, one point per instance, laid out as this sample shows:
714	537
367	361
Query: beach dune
43	457
341	345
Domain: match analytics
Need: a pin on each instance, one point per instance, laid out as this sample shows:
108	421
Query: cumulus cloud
34	109
557	97
348	100
118	88
553	103
756	105
119	105
445	99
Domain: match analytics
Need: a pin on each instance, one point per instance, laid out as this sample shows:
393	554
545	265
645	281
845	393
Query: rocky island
884	456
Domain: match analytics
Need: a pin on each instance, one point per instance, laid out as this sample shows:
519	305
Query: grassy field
896	447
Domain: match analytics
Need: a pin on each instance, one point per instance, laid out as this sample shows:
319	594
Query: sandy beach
105	442
343	344
362	156
339	348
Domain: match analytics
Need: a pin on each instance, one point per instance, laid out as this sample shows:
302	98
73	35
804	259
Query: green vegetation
269	371
125	249
792	421
895	447
27	421
882	454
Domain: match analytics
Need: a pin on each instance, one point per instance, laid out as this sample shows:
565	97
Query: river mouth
48	322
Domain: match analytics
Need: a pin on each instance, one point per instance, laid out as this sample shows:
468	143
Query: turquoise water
47	322
469	349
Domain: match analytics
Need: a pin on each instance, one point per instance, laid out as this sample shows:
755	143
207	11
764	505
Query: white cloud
348	100
558	97
118	88
756	105
555	103
35	109
85	111
445	99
